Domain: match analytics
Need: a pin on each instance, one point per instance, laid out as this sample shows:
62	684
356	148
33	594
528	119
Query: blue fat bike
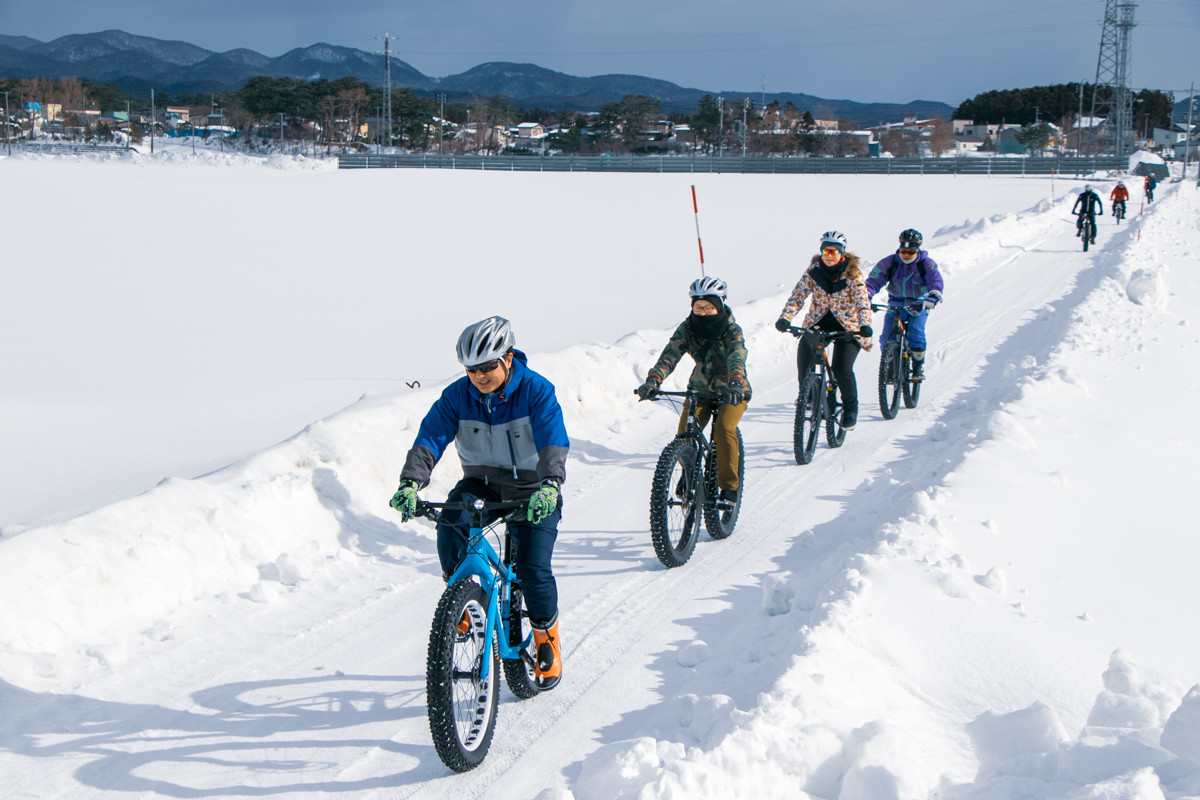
479	625
685	486
895	365
817	406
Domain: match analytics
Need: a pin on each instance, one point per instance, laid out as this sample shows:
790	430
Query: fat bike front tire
889	380
720	519
462	703
674	512
808	420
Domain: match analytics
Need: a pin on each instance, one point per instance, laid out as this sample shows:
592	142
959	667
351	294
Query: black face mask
711	326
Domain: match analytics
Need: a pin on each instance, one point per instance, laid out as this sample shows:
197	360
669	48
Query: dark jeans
533	547
841	364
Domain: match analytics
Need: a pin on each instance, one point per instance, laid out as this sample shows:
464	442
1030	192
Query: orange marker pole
696	211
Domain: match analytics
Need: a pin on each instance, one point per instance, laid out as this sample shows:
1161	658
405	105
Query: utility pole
153	115
745	111
387	91
1079	124
281	131
7	126
721	128
1187	143
441	120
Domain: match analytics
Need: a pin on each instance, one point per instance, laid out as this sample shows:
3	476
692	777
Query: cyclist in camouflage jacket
714	340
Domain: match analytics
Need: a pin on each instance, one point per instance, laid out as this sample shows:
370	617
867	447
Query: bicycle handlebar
915	309
433	511
713	398
827	336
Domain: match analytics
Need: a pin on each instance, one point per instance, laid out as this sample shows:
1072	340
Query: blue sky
871	50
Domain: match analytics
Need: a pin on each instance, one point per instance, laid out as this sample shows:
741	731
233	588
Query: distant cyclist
1087	205
507	426
914	282
1150	184
715	342
839	303
1118	197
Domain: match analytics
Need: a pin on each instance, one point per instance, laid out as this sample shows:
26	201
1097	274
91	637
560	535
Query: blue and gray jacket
512	439
906	282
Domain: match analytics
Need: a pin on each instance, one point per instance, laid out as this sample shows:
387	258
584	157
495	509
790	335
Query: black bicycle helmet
911	239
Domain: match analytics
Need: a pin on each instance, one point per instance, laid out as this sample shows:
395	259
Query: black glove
865	331
648	389
782	325
735	392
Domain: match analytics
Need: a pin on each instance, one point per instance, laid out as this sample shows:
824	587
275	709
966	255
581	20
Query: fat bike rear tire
719	520
518	672
462	703
912	386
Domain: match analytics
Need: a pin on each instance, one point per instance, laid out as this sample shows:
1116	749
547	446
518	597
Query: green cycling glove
405	499
543	502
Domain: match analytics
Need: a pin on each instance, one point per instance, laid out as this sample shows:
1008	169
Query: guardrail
1073	166
25	146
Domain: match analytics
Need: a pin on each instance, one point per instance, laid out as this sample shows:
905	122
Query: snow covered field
990	596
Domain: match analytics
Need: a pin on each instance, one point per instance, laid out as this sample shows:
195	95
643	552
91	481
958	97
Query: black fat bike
817	406
1087	230
685	486
1118	210
896	378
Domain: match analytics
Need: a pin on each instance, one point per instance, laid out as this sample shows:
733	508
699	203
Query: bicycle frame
692	400
899	324
821	364
495	574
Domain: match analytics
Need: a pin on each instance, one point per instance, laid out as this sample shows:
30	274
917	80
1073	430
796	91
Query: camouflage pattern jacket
717	360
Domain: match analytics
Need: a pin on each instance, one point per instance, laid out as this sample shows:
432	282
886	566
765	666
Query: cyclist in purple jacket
913	282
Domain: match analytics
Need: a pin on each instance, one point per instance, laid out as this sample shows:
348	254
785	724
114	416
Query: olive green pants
725	437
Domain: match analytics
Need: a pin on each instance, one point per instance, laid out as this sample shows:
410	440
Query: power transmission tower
387	91
1111	96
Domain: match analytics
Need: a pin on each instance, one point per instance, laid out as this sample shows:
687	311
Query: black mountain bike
1087	230
685	486
817	404
895	365
1119	210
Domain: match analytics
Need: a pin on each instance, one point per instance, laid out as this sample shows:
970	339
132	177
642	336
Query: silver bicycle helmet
708	287
833	239
484	341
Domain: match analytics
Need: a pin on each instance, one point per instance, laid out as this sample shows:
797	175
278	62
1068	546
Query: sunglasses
831	251
907	253
487	366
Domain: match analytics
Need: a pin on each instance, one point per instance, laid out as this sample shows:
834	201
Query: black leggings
842	366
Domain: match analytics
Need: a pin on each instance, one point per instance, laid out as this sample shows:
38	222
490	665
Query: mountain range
138	64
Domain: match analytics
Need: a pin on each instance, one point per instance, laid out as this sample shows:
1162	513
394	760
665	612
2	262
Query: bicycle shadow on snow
240	729
750	649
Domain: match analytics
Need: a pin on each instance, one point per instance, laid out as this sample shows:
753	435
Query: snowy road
310	677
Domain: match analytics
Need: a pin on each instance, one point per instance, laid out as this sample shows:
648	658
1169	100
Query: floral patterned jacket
851	305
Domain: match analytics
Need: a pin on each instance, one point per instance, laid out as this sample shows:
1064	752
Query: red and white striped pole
696	211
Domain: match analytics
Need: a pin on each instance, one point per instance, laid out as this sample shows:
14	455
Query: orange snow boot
548	666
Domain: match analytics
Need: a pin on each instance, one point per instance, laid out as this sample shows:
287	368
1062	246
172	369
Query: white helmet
484	341
707	287
833	239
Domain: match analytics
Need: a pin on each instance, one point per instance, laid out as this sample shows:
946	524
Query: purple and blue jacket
906	283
